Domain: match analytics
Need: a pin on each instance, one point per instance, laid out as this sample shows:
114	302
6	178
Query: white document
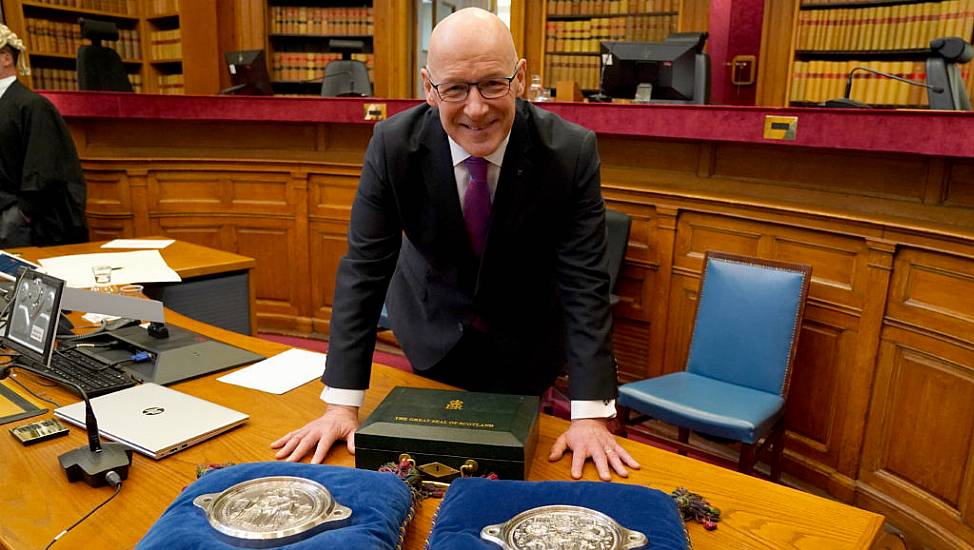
138	243
141	266
280	373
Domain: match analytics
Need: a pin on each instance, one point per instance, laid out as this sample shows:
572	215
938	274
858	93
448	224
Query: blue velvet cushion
471	504
704	405
380	504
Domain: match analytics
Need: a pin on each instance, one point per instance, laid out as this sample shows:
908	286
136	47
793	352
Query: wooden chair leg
683	436
748	454
777	449
622	418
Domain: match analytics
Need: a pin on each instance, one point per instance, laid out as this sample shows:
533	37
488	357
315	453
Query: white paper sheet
138	243
141	266
280	373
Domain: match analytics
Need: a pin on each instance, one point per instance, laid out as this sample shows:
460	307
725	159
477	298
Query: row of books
897	27
585	35
584	70
171	84
298	66
610	7
64	79
59	37
818	81
829	2
114	6
321	21
165	45
161	7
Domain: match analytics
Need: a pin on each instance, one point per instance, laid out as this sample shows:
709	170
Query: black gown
39	174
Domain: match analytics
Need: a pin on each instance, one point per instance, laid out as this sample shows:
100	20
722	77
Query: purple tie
476	203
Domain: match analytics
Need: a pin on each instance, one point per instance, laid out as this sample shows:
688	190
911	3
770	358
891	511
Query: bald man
42	188
483	217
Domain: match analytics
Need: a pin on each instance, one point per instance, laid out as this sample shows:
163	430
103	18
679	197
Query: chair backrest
617	226
346	77
100	68
749	314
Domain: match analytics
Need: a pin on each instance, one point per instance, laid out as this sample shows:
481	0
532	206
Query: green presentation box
450	433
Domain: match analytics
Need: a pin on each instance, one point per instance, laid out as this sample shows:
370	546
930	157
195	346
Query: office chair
738	369
346	77
99	67
617	226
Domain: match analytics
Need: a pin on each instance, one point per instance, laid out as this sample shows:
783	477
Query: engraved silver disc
562	527
272	511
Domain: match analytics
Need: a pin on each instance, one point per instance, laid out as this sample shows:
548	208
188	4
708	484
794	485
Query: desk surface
186	259
37	502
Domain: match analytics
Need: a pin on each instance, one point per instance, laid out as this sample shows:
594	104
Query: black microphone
94	461
847	101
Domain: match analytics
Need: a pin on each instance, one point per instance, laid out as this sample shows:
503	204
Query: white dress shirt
5	83
580	409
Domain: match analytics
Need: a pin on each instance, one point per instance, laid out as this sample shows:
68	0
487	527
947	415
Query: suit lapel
516	194
441	188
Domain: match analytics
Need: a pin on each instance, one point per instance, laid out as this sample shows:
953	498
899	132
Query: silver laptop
155	420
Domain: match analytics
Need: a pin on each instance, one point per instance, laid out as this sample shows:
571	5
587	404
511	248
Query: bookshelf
831	38
157	58
298	33
573	30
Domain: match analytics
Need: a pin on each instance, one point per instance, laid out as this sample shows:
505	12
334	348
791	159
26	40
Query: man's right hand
338	422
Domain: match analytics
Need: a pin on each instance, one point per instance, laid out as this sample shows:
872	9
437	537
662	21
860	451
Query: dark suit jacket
542	287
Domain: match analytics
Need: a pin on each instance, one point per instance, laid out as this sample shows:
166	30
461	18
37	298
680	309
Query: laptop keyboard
94	377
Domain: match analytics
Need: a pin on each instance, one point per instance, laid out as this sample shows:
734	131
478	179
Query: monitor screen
669	66
34	315
11	265
248	73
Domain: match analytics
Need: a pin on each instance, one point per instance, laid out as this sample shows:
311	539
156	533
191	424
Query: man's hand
591	438
338	422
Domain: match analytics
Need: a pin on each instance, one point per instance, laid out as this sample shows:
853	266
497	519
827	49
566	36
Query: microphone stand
92	462
847	101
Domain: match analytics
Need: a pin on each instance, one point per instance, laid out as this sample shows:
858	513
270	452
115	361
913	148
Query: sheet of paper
280	373
138	243
140	266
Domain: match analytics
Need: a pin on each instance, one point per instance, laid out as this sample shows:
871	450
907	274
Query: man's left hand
591	438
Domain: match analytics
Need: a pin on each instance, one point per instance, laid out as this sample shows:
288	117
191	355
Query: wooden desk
217	287
37	502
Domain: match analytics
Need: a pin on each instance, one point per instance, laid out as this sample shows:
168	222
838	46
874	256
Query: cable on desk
32	392
113	479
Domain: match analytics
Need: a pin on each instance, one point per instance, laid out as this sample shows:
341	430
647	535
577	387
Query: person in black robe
42	188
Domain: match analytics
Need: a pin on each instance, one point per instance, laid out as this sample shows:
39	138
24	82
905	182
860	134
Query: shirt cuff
594	409
339	396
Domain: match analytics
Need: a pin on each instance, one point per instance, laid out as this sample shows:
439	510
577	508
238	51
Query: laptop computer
155	420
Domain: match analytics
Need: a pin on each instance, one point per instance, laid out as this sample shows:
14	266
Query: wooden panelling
330	196
634	160
894	176
328	244
920	429
777	34
220	192
934	293
960	184
186	139
108	192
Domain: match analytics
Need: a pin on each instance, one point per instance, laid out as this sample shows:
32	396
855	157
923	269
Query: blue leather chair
749	314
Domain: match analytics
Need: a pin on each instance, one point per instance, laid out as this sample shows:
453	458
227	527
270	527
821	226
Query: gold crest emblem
455	405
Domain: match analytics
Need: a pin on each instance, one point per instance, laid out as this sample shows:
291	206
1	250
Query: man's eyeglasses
493	88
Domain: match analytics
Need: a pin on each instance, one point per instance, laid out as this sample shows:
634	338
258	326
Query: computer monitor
678	69
946	87
248	73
